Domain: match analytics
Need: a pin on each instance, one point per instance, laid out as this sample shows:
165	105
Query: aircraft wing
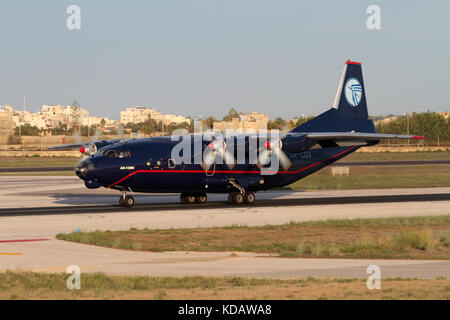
348	136
97	143
69	146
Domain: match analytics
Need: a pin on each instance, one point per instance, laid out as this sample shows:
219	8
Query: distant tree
278	123
429	124
76	117
174	126
302	120
27	130
233	113
208	122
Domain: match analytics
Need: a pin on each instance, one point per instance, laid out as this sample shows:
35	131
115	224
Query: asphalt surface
86	209
34	209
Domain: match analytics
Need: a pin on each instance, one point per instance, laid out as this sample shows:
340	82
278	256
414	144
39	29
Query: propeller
89	148
217	149
120	131
274	146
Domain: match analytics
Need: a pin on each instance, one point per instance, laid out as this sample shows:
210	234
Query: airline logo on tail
353	92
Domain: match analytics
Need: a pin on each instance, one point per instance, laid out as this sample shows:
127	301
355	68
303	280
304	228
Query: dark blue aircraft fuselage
145	165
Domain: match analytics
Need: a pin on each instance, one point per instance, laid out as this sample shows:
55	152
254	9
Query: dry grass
378	177
27	285
399	238
39	174
34	161
398	156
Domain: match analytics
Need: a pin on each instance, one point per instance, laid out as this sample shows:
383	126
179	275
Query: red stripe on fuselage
227	171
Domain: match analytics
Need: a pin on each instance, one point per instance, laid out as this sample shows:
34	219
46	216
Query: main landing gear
237	198
188	198
242	196
126	201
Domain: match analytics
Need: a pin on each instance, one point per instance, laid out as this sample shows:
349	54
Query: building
253	121
139	114
54	116
170	118
6	123
69	115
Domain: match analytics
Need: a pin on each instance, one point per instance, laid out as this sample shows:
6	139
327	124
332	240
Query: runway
62	204
169	206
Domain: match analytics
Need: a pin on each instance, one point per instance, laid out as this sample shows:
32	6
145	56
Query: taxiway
37	208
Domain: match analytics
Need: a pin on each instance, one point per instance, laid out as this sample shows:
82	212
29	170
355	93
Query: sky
202	57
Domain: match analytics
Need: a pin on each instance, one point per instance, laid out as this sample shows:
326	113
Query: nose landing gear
126	201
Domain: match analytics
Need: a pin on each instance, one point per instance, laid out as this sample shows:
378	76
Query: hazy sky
202	57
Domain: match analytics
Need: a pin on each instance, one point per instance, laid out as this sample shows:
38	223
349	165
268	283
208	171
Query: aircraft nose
84	170
81	170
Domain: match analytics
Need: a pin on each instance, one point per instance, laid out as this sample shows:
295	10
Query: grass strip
425	237
30	285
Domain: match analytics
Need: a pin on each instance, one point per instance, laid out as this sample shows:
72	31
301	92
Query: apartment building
139	114
253	121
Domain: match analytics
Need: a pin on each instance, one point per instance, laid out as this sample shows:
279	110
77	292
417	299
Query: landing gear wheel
201	199
128	201
183	198
249	198
230	197
237	198
121	202
189	199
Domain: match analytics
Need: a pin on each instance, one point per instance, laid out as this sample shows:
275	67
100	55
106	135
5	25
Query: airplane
146	164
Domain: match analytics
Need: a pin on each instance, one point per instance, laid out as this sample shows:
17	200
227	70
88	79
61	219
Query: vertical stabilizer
350	100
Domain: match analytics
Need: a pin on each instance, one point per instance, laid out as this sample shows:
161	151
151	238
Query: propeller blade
264	157
77	136
229	160
97	134
282	158
208	159
226	156
283	132
83	157
120	131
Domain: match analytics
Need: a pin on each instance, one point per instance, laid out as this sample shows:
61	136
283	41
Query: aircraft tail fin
349	112
350	100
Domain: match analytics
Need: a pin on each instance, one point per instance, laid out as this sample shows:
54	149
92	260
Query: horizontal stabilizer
348	136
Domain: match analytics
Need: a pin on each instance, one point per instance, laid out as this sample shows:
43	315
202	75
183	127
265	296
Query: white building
139	114
170	118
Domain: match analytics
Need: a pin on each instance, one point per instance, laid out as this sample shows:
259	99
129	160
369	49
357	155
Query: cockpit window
123	154
116	154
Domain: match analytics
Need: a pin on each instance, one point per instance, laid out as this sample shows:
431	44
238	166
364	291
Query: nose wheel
126	201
